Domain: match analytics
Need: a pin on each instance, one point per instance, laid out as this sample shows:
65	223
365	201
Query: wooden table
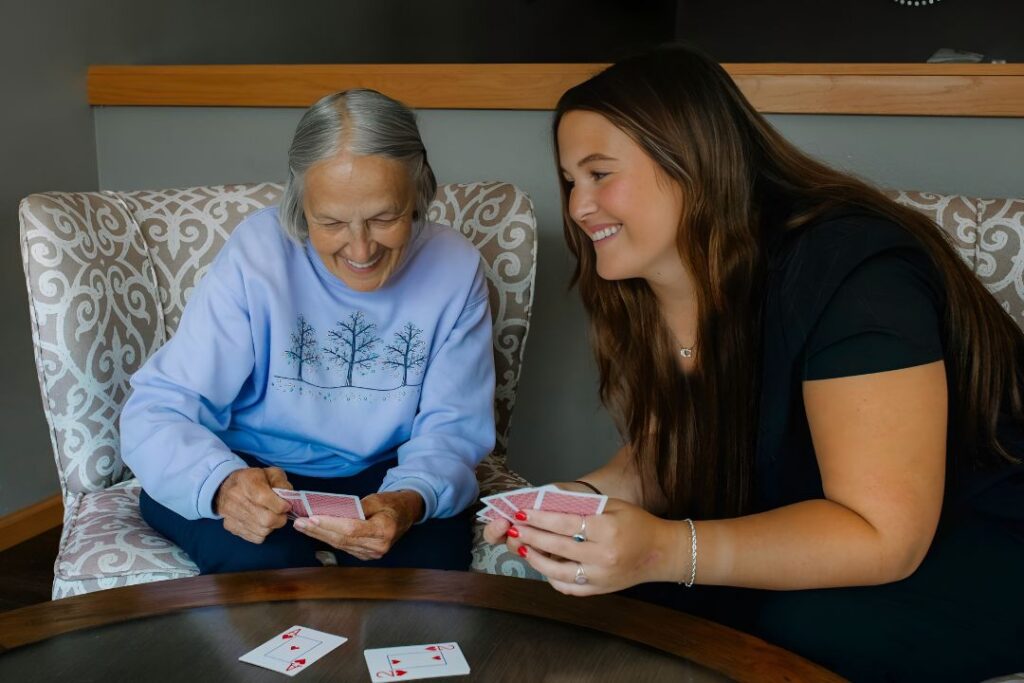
509	629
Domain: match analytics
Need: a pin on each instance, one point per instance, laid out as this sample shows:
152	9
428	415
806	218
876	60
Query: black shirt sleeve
885	315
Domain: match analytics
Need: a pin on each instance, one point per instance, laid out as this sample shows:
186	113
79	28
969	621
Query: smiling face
359	212
621	199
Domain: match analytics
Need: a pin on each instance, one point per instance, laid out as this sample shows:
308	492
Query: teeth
356	264
607	232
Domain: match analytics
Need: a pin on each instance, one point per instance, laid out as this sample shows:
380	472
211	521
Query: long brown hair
694	434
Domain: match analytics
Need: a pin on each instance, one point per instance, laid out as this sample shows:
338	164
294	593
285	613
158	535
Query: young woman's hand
494	532
624	546
388	516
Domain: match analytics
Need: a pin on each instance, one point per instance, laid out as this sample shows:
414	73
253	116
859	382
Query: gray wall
47	141
558	430
46	128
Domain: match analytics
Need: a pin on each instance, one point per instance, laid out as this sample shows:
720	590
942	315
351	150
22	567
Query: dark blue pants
434	544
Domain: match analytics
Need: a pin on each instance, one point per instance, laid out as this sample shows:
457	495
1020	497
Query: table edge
724	650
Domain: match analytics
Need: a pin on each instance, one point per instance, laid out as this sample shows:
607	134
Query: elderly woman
338	343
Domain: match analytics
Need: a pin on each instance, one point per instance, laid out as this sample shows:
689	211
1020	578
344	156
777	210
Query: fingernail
513	532
520	515
522	550
300	524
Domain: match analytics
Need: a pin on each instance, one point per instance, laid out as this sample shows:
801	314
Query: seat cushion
105	543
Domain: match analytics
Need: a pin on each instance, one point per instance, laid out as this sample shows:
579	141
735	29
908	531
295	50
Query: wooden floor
26	571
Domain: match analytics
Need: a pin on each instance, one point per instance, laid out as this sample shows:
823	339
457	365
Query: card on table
292	650
413	662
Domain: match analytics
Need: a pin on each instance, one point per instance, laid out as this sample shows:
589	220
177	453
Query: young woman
821	405
338	343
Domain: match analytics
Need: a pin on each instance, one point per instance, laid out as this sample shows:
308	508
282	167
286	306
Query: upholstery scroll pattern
94	322
988	233
110	543
108	275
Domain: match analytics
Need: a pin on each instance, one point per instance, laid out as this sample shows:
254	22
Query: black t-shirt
853	294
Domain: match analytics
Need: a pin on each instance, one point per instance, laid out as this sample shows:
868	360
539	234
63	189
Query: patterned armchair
108	275
988	233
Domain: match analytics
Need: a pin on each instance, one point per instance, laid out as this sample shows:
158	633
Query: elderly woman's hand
388	516
249	505
624	546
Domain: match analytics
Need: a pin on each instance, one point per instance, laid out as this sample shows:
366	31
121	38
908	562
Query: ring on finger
581	535
581	576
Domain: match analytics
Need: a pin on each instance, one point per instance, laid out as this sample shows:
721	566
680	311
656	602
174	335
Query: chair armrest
495	476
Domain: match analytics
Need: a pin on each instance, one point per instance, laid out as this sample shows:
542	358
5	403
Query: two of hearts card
309	503
294	649
551	498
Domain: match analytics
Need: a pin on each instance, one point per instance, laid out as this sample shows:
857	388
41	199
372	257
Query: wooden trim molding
31	521
884	89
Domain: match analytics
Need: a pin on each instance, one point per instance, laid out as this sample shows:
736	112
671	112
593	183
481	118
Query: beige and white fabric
108	276
988	233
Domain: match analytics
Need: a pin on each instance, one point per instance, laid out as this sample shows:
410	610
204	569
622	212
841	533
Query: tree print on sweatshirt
303	351
406	352
354	341
351	355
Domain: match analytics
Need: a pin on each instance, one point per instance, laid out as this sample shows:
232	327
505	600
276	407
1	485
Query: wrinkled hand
388	516
248	504
625	546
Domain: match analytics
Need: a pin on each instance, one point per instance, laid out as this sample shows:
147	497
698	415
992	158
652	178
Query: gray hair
366	123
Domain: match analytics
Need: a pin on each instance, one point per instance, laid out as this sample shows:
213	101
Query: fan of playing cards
549	498
309	503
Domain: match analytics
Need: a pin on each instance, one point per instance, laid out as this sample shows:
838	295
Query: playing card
414	662
334	505
522	499
292	650
570	502
296	500
489	515
497	503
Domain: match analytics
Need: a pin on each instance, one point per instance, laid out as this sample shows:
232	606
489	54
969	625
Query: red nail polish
520	515
522	550
513	532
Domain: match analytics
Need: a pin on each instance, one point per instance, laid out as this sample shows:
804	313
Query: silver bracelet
693	554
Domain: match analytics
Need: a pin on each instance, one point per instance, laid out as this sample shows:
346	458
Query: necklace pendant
686	353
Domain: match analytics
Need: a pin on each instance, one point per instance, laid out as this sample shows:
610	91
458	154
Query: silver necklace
684	351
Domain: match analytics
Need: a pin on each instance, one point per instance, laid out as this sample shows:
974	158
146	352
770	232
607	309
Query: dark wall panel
850	30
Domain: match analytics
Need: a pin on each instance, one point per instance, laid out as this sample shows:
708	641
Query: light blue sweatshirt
276	357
